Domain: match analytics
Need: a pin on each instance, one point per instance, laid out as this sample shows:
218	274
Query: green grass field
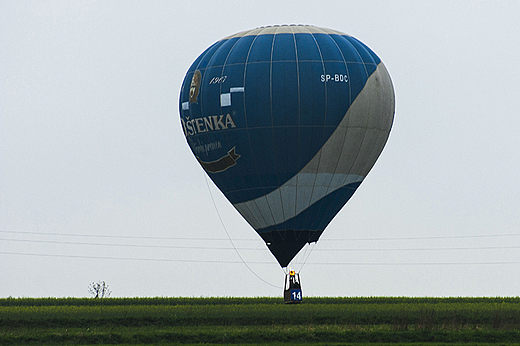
260	321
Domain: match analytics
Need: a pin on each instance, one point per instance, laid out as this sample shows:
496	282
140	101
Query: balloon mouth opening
285	245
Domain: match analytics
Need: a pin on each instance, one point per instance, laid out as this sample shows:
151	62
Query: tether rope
230	240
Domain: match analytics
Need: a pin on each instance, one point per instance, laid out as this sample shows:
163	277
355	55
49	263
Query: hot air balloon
287	121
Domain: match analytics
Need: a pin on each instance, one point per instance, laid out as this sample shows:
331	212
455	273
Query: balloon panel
287	121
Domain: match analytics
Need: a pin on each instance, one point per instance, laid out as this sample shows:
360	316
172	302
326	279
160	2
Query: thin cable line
123	236
126	245
412	263
298	259
428	249
256	240
125	258
424	238
267	263
312	246
230	240
303	256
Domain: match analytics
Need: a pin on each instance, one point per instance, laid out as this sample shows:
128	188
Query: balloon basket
292	293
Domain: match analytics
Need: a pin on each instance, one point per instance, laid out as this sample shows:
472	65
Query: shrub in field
99	289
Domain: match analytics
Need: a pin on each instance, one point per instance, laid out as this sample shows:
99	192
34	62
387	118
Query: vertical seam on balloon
272	123
252	220
349	104
377	136
320	152
369	105
393	94
323	131
253	215
324	124
364	134
327	210
298	139
245	117
256	164
265	196
381	130
220	89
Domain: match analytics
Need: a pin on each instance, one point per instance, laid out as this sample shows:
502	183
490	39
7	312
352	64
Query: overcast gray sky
97	181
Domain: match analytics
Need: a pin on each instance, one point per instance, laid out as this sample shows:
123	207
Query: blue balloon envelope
287	121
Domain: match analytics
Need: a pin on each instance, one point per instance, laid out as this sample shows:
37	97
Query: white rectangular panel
236	90
225	100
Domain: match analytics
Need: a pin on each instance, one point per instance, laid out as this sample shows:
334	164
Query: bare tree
99	289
